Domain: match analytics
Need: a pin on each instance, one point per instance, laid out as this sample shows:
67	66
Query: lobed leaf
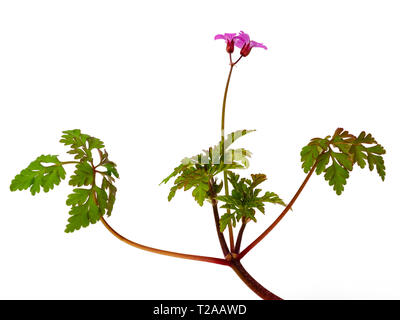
81	144
309	155
83	175
352	150
196	172
225	220
244	198
272	197
87	205
112	191
336	175
37	176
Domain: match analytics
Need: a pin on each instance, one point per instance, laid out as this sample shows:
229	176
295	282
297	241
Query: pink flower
230	40
243	42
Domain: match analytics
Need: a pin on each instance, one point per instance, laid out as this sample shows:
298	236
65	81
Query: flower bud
230	46
245	50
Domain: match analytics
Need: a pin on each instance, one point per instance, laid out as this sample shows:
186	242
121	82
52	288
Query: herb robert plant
211	175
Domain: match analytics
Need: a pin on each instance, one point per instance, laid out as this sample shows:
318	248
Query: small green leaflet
310	152
81	144
335	156
225	220
309	155
192	177
336	175
83	175
111	167
107	184
245	198
87	206
272	197
359	153
37	175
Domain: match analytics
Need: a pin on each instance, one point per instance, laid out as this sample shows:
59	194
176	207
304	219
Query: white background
148	78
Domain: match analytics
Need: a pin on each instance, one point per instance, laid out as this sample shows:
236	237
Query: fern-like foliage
336	155
89	204
245	198
43	173
196	172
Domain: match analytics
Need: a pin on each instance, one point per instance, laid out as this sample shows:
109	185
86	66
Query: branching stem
240	236
280	217
154	250
163	252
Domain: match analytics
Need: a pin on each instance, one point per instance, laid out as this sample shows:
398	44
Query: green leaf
352	150
373	155
95	143
81	144
365	138
83	175
196	172
343	159
112	191
378	163
172	193
342	140
37	175
200	192
83	215
272	197
375	159
111	169
78	197
87	206
110	166
225	220
309	155
191	176
257	179
244	198
102	199
176	171
378	149
323	161
336	175
321	143
359	156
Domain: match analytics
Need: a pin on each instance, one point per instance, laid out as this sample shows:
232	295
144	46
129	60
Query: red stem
273	225
163	252
221	237
251	282
240	236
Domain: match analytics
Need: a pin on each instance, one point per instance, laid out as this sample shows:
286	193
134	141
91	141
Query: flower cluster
242	41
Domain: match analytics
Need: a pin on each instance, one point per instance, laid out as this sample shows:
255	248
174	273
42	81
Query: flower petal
244	37
230	36
219	36
239	42
225	36
257	45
